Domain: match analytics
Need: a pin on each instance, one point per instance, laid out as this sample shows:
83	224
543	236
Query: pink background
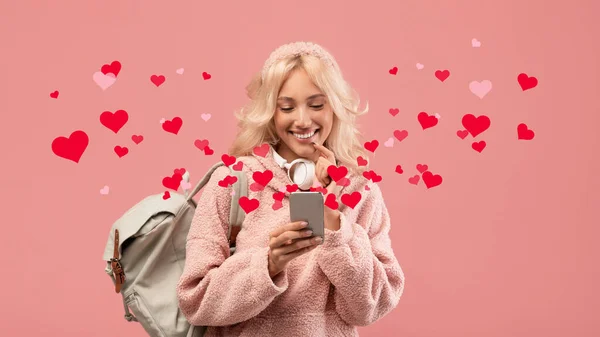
505	246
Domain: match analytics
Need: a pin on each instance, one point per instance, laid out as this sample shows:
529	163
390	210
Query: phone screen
308	206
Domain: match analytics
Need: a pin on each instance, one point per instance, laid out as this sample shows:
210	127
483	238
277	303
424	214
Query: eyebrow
284	98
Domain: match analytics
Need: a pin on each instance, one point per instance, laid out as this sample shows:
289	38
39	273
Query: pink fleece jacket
352	279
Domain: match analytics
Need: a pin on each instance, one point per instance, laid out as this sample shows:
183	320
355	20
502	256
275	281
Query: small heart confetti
437	115
179	71
427	121
114	121
372	145
104	81
475	125
104	190
173	126
277	205
394	112
400	134
478	146
394	71
475	43
351	200
206	76
389	142
462	134
420	66
54	94
431	180
248	205
399	169
422	168
185	185
206	117
524	133
157	79
442	75
71	148
121	151
137	138
527	82
166	195
201	144
414	179
162	121
480	89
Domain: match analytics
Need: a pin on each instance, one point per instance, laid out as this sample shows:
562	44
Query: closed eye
312	106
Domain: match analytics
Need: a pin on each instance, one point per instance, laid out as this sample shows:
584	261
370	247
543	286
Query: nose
303	119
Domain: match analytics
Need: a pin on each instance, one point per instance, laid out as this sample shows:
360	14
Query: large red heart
173	125
427	121
331	202
114	121
524	133
262	178
372	145
337	173
261	150
227	159
248	205
475	125
527	82
442	75
351	200
114	68
278	196
431	180
372	176
71	148
172	182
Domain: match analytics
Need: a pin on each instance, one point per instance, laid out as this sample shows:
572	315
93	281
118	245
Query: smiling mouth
303	136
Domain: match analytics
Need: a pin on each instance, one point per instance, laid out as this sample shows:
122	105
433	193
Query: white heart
475	43
162	121
480	89
104	190
179	71
420	66
437	115
206	117
185	185
104	81
389	142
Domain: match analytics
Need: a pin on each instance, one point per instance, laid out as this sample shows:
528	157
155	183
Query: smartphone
308	206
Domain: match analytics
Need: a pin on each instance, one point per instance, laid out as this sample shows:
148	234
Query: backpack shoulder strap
236	214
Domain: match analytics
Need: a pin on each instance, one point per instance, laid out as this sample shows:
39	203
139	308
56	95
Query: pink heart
277	205
420	66
104	190
206	117
162	121
400	135
475	43
480	89
462	133
179	71
414	179
185	185
104	81
389	142
232	193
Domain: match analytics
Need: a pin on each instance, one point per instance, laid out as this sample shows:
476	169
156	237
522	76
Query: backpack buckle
115	263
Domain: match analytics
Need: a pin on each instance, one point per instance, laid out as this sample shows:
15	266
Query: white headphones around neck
304	173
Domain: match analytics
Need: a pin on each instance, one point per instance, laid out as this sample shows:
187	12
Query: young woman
282	281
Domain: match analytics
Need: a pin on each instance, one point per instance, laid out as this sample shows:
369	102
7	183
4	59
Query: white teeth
304	136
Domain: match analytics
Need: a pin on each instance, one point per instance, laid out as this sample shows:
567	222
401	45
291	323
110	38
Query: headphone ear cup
307	181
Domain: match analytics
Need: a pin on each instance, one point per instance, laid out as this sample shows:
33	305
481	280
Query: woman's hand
287	243
327	158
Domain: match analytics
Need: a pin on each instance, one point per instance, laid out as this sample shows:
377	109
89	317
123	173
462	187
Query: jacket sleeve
216	289
359	261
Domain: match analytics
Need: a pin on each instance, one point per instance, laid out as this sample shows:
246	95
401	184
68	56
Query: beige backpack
145	255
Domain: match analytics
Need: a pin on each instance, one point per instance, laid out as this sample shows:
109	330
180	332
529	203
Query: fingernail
304	223
318	239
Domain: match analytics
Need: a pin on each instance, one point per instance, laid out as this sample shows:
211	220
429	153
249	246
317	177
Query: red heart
179	171
394	71
337	173
421	168
238	166
394	112
71	148
228	180
278	196
351	200
114	121
291	188
426	120
206	76
372	145
114	68
321	189
442	75
167	195
261	150
527	82
431	180
367	188
262	178
361	161
248	205
173	181
462	134
371	175
201	144
399	169
137	138
173	125
475	125
331	202
227	159
343	182
277	205
208	151
157	80
121	151
478	146
524	133
54	94
400	135
414	179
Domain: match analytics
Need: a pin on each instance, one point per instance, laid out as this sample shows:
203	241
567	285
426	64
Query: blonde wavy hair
256	123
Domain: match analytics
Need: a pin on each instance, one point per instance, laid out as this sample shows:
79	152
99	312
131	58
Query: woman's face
303	115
